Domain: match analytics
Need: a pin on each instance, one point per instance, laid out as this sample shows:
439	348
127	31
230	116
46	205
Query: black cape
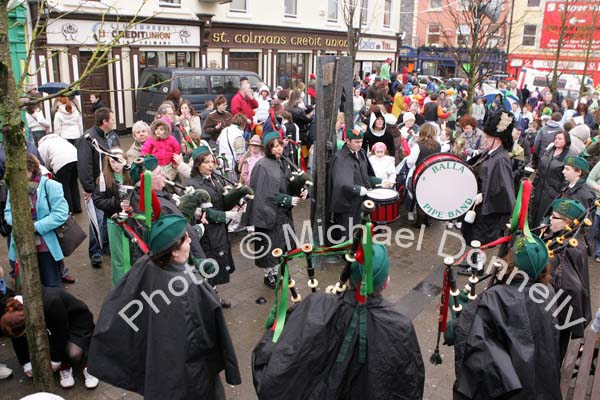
580	192
302	364
506	347
177	354
346	172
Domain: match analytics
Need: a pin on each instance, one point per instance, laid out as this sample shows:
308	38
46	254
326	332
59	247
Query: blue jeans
49	270
94	249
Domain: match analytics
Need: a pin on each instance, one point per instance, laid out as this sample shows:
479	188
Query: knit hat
408	116
571	209
270	136
255	141
379	146
578	162
354	133
147	163
530	256
381	268
165	232
200	150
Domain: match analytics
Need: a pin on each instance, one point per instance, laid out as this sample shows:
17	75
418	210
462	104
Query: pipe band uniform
161	331
344	348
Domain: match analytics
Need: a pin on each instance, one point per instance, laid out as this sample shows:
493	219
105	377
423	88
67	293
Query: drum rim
424	164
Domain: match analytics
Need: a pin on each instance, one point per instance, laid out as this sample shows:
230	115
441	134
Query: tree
11	103
354	29
480	26
565	32
588	36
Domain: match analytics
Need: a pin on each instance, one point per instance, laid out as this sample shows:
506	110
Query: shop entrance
98	82
243	61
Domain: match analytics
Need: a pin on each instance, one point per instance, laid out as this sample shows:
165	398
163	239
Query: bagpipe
234	193
568	237
359	248
299	180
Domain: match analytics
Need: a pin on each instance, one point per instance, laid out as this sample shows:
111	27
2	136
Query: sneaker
96	261
91	382
270	281
458	225
449	225
68	279
224	303
66	378
5	372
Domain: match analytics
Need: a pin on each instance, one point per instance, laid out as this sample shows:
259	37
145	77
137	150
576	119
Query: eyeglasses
559	218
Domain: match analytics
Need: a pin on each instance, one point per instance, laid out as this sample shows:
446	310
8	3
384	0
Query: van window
193	84
255	82
224	84
155	82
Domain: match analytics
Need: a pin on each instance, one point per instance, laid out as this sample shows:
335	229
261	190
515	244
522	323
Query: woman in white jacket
231	143
67	121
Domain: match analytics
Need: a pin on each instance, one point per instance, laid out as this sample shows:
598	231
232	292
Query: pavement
416	274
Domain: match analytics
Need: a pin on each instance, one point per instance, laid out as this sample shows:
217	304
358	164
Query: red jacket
245	106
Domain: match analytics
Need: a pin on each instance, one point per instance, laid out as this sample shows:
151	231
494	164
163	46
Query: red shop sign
578	19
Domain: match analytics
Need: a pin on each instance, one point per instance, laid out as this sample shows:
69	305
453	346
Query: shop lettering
136	35
448	165
579	8
301	41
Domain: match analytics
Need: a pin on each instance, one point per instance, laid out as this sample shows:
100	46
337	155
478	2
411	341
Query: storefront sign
374	44
278	40
579	21
76	32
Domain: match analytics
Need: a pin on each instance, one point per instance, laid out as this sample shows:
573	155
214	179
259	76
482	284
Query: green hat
354	133
270	136
530	256
200	150
571	209
547	111
149	163
381	268
578	162
166	231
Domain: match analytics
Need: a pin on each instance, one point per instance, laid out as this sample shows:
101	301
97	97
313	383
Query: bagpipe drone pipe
359	249
299	180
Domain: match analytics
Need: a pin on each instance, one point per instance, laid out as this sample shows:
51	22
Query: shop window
463	35
387	13
332	10
290	8
169	3
529	34
54	56
178	59
435	4
364	12
224	84
193	84
433	34
238	6
291	69
533	3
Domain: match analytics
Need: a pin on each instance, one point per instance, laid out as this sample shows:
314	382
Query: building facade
279	40
536	37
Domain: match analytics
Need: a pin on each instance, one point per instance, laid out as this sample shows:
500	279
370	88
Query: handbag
69	235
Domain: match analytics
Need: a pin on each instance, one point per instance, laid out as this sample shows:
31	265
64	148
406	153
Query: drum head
446	189
381	194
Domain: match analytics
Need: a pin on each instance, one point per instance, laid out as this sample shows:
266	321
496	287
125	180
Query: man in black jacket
89	168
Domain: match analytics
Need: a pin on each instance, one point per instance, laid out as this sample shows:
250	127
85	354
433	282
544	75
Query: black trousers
67	176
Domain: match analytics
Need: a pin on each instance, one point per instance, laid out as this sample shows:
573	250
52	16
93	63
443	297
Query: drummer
496	197
346	191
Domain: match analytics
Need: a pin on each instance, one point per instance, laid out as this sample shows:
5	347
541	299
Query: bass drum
445	186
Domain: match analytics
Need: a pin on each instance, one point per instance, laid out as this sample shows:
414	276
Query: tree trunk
16	179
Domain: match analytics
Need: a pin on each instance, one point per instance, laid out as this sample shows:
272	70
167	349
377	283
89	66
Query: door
243	61
96	83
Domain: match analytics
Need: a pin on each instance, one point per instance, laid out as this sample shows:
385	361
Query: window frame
529	35
364	13
387	12
286	15
539	4
439	34
337	8
238	11
431	7
169	3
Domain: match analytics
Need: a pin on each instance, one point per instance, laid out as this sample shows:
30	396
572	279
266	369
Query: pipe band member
335	347
172	343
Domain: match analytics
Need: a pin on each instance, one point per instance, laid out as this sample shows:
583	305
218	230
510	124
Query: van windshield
155	82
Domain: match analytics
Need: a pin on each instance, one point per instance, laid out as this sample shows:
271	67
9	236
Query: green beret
149	163
354	133
530	256
270	136
571	209
381	268
578	162
200	150
547	111
165	232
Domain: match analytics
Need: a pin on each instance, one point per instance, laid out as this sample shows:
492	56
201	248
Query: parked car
423	82
196	85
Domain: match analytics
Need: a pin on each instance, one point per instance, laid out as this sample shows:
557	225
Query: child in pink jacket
162	145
